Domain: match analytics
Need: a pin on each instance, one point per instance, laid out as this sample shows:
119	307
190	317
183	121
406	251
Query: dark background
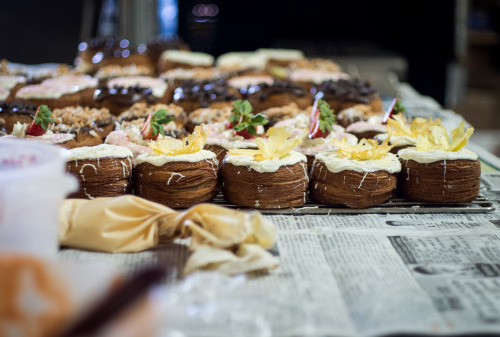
421	32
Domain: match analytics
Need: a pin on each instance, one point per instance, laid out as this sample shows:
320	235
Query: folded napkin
221	239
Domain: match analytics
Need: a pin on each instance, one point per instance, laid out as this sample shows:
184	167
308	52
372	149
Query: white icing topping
188	57
242	60
245	81
191	73
363	126
39	91
4	93
335	163
316	76
160	160
281	54
425	157
267	165
81	82
98	151
158	86
9	82
122	138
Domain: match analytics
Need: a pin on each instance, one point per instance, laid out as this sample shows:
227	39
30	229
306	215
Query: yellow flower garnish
277	145
396	126
366	149
438	139
191	144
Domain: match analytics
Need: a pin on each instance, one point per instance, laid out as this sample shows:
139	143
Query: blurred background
448	49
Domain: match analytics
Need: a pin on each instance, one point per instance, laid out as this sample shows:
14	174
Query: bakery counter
218	269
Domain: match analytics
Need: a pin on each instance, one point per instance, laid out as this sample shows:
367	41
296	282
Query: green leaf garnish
398	107
44	117
242	118
159	118
326	116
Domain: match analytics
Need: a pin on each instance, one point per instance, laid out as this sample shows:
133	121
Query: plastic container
33	184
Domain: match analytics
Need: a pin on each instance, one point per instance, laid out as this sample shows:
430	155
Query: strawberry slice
243	121
153	126
40	123
322	119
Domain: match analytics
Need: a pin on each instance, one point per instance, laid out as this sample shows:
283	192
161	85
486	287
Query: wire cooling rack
395	205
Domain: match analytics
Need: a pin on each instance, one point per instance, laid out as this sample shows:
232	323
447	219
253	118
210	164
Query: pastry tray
395	205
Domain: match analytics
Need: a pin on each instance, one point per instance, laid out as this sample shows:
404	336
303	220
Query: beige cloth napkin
221	239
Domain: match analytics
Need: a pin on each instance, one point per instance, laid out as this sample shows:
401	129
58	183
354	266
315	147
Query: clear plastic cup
33	184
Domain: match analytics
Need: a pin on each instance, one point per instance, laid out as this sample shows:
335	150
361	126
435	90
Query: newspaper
342	275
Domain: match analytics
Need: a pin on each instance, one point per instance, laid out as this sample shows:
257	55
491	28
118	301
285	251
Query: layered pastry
156	46
263	96
342	94
207	116
107	73
122	92
242	63
359	176
37	130
178	173
90	126
17	112
173	59
137	134
59	92
192	95
102	170
317	130
270	177
9	85
440	169
175	77
362	121
3	131
238	132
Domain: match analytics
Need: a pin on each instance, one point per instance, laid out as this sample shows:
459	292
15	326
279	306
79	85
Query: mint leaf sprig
242	118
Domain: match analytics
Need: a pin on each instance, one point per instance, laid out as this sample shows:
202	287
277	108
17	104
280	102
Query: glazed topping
72	118
98	151
281	54
79	82
263	166
317	64
18	107
426	157
353	90
113	71
124	95
39	91
335	163
9	82
241	60
264	90
196	73
246	81
188	57
157	86
204	92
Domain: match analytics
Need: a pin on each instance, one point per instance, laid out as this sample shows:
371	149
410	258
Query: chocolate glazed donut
441	181
350	188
